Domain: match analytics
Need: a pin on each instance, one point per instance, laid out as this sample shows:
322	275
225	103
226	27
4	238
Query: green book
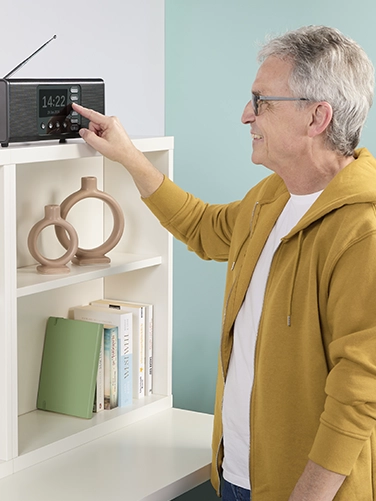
69	366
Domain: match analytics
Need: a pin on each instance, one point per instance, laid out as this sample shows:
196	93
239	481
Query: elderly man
296	393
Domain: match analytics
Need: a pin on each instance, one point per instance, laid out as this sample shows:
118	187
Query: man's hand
107	135
317	484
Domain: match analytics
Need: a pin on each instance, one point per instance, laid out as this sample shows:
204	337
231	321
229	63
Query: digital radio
41	109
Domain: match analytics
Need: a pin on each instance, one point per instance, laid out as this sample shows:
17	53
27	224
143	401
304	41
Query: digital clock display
56	116
52	101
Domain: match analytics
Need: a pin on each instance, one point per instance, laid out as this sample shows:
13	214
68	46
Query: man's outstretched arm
107	136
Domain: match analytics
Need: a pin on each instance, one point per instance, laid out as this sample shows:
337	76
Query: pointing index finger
92	115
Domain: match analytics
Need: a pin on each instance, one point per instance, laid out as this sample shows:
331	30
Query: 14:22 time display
51	101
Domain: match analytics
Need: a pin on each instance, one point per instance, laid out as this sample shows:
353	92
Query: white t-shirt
237	394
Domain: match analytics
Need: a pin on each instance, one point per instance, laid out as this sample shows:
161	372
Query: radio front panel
42	109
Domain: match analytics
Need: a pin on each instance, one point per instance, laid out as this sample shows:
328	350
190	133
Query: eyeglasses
256	99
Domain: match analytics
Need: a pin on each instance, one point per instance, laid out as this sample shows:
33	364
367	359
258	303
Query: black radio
34	110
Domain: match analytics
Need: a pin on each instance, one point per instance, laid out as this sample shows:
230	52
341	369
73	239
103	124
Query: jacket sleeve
349	417
206	229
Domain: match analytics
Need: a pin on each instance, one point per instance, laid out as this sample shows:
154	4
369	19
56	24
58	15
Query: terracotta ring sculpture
96	255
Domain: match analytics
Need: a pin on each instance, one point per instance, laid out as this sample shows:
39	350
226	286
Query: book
125	377
145	311
123	321
99	389
149	329
110	335
69	367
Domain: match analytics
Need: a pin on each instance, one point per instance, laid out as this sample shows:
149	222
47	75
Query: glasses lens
255	100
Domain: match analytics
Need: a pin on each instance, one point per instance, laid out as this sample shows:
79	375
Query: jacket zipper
234	282
254	365
223	324
248	236
223	377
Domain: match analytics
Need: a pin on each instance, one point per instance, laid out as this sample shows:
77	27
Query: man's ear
321	117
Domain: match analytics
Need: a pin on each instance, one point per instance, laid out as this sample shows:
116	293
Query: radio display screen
52	101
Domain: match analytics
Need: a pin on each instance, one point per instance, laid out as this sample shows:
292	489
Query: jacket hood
352	185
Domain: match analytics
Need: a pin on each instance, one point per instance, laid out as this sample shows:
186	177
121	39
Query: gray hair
327	66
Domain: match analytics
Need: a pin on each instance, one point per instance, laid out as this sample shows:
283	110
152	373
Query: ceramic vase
53	217
96	255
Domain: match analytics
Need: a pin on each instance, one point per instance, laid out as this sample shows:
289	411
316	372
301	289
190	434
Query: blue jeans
231	492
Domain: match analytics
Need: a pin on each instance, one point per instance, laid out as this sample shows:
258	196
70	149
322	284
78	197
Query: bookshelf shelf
21	153
30	282
34	442
43	435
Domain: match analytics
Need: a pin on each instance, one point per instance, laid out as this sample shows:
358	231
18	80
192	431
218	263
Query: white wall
121	41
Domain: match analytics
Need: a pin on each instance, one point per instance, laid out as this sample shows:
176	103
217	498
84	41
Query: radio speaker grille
92	96
23	109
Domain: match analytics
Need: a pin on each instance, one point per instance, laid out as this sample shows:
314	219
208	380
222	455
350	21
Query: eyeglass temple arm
277	98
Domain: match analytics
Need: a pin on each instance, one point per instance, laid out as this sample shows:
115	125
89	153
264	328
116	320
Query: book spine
99	390
149	350
139	333
110	367
125	378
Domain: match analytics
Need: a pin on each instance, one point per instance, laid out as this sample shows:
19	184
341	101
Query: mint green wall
211	48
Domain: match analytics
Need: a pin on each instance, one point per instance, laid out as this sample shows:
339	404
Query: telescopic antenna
28	58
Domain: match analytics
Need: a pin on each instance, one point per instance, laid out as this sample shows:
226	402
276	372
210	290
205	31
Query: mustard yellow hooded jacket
314	393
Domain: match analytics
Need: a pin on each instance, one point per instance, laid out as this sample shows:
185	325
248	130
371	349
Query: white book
99	389
125	377
142	342
123	321
149	348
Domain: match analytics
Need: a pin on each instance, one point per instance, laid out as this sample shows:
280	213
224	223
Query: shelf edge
90	434
51	282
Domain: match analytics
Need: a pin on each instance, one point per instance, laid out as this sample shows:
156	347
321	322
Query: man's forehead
272	76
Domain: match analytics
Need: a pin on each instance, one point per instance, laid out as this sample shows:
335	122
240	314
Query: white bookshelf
32	176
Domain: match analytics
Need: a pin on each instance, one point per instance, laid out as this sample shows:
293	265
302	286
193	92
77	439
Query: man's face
279	132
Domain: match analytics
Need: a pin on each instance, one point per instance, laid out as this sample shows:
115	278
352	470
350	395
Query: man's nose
248	115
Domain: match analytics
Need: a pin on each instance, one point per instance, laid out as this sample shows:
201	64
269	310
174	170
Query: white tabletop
155	459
